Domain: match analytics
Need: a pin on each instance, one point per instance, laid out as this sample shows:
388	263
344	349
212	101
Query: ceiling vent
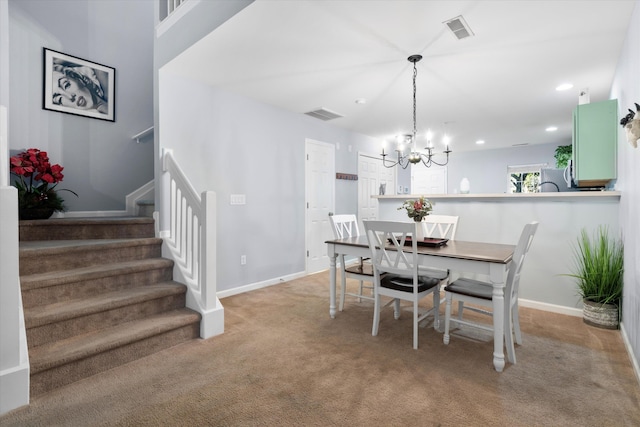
459	27
323	114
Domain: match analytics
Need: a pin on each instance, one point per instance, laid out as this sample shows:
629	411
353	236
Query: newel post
213	313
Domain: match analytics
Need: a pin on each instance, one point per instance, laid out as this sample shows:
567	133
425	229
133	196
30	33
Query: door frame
307	228
391	190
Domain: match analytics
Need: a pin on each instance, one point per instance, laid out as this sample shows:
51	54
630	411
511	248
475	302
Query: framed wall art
77	86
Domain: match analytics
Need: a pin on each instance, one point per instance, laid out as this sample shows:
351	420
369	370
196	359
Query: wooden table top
477	251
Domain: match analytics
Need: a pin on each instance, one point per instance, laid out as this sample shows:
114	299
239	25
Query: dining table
489	259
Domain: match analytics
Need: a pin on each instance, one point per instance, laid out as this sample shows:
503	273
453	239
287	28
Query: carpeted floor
283	361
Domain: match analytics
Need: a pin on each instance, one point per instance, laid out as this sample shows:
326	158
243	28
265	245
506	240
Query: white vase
421	233
465	186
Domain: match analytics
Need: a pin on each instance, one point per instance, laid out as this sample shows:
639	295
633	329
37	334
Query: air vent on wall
459	27
323	114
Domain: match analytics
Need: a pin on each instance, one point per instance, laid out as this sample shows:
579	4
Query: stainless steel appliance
555	180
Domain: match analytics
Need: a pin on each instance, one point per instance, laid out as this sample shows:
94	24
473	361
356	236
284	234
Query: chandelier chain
415	74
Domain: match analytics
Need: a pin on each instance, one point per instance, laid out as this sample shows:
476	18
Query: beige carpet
283	361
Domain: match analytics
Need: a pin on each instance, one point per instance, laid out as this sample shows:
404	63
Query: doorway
320	175
373	179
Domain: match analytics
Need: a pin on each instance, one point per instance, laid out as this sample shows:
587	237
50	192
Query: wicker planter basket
600	315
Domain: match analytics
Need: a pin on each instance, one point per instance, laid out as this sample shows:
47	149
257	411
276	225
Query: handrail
192	244
142	134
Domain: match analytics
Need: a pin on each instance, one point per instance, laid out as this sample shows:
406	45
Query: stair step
62	320
97	294
86	228
65	285
63	362
45	256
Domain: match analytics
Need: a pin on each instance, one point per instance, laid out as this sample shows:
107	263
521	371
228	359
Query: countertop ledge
567	195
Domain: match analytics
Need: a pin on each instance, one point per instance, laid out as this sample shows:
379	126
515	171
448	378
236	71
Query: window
524	178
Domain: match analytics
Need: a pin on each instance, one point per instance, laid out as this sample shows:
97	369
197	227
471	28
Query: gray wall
4	53
626	88
233	145
101	162
487	169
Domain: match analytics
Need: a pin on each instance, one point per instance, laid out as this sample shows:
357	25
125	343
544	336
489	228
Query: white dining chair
478	292
440	227
394	253
343	226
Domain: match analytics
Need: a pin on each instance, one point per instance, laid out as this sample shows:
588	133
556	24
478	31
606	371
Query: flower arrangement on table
417	209
36	184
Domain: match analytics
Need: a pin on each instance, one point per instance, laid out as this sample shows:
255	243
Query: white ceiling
498	85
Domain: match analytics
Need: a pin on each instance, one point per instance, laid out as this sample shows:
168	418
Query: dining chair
478	292
395	253
347	226
441	227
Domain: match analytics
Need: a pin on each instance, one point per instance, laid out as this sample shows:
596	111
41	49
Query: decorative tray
428	241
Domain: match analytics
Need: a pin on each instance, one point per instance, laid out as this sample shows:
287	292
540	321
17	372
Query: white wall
101	162
500	220
233	145
487	169
626	88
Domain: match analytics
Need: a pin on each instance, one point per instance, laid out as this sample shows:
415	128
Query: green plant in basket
599	267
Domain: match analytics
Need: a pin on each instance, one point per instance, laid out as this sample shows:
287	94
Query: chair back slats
387	240
441	226
344	226
519	255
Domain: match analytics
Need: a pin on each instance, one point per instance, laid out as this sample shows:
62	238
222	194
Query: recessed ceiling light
361	101
551	129
480	141
564	86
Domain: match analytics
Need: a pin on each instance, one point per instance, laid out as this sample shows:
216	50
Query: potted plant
417	210
563	155
36	184
599	267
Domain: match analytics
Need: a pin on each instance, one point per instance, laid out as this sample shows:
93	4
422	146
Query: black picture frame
76	86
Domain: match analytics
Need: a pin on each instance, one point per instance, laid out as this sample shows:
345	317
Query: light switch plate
238	199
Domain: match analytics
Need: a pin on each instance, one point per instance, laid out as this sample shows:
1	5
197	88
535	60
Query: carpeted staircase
97	294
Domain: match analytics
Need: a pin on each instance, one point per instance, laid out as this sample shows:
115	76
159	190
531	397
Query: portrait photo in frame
76	86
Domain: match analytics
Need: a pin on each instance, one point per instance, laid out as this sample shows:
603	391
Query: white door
320	181
371	175
431	180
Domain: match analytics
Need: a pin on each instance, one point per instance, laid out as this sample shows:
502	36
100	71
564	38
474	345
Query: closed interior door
371	175
431	180
320	194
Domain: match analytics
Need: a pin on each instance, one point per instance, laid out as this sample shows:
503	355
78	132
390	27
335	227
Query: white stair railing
191	242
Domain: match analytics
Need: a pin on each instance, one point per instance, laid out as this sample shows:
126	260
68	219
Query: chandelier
414	155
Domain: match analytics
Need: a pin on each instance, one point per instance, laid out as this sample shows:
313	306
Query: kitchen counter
565	196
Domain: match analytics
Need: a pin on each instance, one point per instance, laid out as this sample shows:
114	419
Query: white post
212	310
14	356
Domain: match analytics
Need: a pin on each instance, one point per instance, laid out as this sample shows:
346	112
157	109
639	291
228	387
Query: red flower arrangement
35	175
417	209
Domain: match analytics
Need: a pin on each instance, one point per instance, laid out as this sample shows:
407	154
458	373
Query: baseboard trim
260	285
632	356
560	309
90	214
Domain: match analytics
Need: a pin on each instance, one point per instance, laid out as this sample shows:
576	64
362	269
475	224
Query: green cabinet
595	139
